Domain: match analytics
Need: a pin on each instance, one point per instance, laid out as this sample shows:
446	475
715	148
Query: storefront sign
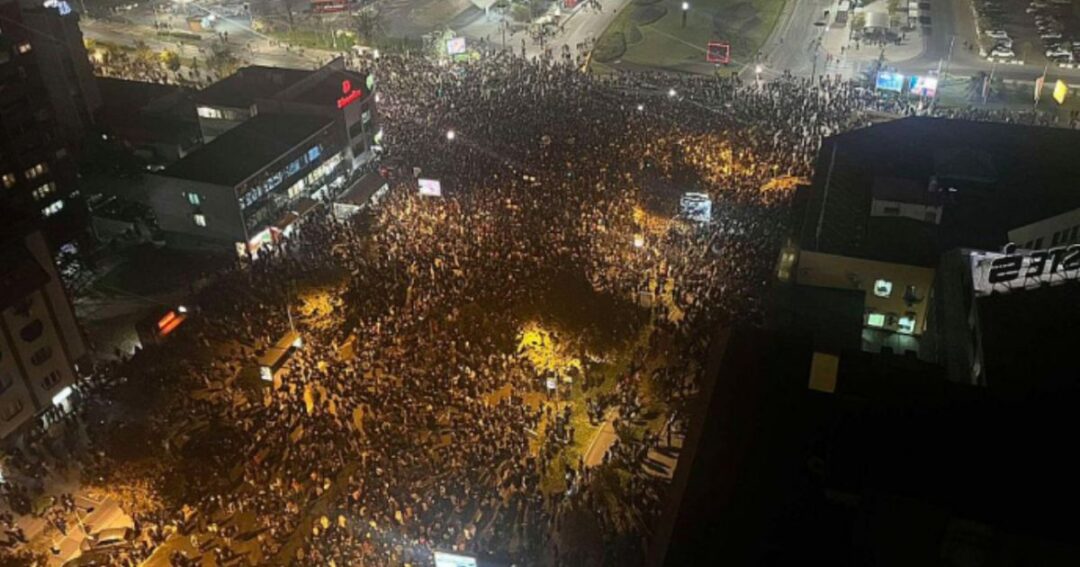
993	272
349	95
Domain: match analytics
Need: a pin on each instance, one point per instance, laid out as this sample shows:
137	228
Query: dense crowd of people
407	421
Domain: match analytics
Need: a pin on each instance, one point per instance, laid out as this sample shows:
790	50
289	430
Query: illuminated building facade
40	341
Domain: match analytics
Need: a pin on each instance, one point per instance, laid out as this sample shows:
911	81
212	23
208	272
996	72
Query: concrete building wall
1058	230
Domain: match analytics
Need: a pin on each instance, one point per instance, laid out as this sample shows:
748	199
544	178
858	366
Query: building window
891	211
9	180
24	47
41	356
1054	241
876	320
36	171
53	208
907	323
883	288
194	199
314	153
207	112
51	380
200	219
13	409
44	191
1072	236
32	331
1038	244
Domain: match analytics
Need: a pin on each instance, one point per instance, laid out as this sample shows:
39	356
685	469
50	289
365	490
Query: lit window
883	288
194	199
207	112
200	220
44	191
53	208
907	323
313	153
36	171
24	47
876	320
9	180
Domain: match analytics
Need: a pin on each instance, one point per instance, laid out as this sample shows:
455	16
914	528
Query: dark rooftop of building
241	89
327	90
244	150
898	467
990	177
1028	337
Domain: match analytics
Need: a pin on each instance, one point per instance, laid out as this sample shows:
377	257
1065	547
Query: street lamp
758	69
685	8
450	135
671	93
640	107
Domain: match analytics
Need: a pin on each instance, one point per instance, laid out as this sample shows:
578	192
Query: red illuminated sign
349	95
718	52
169	323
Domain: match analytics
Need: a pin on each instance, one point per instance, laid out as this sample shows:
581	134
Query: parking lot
1032	31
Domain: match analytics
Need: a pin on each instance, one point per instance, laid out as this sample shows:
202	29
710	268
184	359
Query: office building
37	169
40	341
57	43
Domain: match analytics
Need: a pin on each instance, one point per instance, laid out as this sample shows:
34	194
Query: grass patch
610	47
667	44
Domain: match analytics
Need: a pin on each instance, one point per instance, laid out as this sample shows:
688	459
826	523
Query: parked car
1051	35
1037	4
1055	53
997	34
1003	52
1006	43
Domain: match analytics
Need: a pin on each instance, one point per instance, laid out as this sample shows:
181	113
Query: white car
1037	4
1003	52
997	34
1051	35
1006	43
1058	53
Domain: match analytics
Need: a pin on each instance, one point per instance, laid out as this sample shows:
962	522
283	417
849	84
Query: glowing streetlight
639	241
685	8
640	107
450	135
671	93
758	68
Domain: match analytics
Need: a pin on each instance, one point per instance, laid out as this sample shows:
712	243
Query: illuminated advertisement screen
696	207
455	46
443	559
890	82
431	187
924	86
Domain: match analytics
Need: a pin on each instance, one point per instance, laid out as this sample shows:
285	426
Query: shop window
13	409
32	331
883	288
41	356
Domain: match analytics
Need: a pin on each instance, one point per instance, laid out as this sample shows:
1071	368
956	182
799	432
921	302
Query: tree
369	23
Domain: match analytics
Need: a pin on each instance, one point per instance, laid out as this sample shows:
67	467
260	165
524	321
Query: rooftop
243	151
241	89
992	177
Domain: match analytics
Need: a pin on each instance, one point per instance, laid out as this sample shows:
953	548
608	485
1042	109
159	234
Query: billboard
1060	91
696	207
444	559
718	52
455	46
430	187
924	86
1015	270
889	82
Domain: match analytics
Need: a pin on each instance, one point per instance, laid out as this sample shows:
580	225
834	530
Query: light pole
450	135
671	93
685	8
